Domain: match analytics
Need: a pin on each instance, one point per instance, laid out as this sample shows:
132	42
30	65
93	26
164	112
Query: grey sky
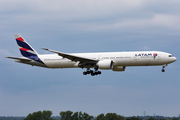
89	26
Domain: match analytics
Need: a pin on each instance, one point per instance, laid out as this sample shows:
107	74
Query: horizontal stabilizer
15	58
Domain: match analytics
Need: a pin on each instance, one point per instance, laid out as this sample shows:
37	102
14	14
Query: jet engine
105	64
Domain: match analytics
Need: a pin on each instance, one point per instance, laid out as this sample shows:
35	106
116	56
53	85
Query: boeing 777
116	61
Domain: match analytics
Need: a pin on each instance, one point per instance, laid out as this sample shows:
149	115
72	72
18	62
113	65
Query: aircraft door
156	58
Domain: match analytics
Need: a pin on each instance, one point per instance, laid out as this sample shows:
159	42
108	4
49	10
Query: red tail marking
24	49
20	39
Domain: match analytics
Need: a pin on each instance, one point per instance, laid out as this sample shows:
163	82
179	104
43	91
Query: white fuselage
116	61
138	58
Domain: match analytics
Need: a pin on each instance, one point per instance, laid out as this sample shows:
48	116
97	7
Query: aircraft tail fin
25	49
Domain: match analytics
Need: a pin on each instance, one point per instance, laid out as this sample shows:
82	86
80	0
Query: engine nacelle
119	68
105	64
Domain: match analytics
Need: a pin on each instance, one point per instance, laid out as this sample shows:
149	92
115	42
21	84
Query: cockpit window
171	56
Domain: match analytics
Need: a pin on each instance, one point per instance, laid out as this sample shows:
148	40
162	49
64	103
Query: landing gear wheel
92	74
88	72
91	71
163	70
84	73
99	72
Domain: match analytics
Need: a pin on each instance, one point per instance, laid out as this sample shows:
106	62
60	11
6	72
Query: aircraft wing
15	58
73	57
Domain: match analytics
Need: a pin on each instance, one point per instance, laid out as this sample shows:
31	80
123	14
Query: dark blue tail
25	49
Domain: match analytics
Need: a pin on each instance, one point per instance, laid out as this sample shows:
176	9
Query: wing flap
73	57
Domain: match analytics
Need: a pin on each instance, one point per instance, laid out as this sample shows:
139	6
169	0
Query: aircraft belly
142	62
137	62
147	62
124	62
33	63
60	64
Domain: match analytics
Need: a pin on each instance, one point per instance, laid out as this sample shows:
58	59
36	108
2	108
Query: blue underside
35	58
31	56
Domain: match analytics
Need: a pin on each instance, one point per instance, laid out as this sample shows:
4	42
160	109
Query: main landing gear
163	70
96	72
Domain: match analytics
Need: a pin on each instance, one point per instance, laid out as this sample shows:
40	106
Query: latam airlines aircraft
116	61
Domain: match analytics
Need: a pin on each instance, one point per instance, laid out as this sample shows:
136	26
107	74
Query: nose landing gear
163	70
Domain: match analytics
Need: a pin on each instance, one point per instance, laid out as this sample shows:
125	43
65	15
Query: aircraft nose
172	59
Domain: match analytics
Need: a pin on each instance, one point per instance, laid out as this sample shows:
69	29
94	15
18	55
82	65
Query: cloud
144	48
91	25
67	10
165	20
90	16
4	53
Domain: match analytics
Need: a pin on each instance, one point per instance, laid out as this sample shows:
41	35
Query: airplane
115	61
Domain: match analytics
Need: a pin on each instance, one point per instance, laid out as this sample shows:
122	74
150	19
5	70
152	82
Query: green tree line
69	115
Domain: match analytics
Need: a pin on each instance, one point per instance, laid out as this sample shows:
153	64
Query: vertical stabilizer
25	49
